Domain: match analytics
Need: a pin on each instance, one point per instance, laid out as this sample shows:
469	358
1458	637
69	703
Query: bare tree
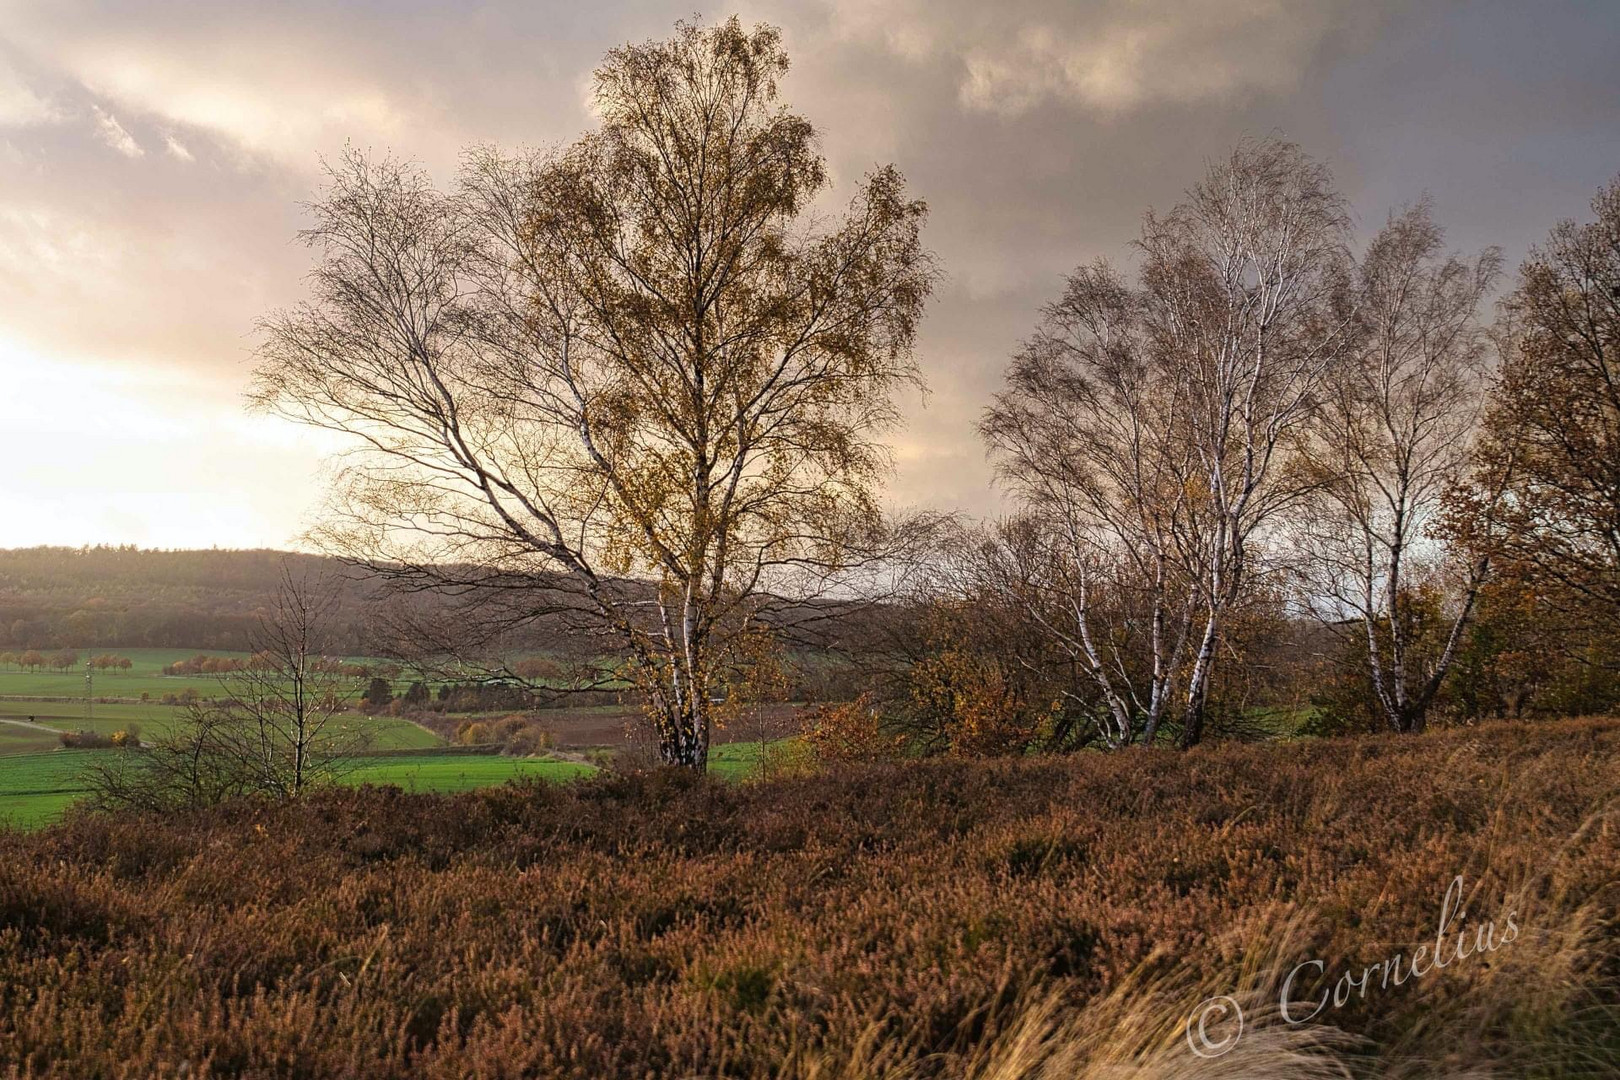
1151	424
1249	307
1088	435
199	762
1390	437
288	704
628	385
278	726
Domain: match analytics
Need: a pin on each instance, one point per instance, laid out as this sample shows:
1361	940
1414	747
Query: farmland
39	780
37	788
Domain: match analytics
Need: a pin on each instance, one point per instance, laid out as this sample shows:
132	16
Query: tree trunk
683	730
1192	728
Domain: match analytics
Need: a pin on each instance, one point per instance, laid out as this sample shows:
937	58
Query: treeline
60	660
126	597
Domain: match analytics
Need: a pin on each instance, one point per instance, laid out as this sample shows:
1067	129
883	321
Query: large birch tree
635	383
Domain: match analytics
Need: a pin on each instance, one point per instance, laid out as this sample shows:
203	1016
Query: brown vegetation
941	918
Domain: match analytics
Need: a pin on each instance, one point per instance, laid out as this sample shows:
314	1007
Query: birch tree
633	384
1087	435
1152	424
1391	437
1248	304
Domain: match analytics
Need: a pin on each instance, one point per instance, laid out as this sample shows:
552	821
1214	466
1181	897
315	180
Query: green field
738	760
17	739
385	732
39	780
142	678
459	772
37	788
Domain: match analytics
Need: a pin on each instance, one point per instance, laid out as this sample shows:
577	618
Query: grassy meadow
144	676
37	788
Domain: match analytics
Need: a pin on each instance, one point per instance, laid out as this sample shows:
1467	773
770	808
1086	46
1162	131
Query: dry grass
1026	919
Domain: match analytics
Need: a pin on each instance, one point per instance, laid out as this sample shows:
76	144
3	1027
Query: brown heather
1029	918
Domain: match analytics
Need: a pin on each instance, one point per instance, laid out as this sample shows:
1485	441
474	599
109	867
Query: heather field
949	918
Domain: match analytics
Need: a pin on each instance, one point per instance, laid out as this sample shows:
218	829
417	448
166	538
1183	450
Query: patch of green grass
53	772
742	760
18	739
36	789
389	732
154	721
1281	721
460	772
35	811
144	675
69	716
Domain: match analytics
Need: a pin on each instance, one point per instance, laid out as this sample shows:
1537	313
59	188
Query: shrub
930	919
852	731
474	733
89	740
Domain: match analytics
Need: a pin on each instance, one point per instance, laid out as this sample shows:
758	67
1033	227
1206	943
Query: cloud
113	134
20	105
277	85
1113	55
1038	131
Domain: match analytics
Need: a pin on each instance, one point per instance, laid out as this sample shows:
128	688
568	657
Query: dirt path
30	726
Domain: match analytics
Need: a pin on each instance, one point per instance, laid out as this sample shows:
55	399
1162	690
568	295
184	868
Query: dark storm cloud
152	156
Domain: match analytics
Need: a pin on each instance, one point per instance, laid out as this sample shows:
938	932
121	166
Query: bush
89	740
474	733
528	740
852	731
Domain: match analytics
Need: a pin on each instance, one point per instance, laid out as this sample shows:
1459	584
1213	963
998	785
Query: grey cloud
1113	55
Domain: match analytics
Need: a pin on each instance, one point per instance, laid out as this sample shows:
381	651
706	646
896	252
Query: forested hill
129	597
59	597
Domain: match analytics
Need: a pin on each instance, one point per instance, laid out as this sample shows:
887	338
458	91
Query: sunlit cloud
100	454
113	134
1113	55
20	104
176	148
1038	131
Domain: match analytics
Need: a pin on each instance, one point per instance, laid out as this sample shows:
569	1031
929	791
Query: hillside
947	918
103	597
137	598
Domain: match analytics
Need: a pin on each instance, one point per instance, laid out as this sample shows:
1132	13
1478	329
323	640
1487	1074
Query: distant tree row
103	597
203	664
61	660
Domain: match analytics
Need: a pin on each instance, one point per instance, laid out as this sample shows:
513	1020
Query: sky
154	157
